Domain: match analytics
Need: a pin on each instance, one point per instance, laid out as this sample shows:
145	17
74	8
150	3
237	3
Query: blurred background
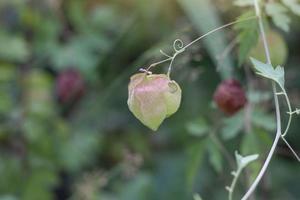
65	128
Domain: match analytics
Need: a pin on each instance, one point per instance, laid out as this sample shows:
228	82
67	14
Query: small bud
152	98
230	97
69	86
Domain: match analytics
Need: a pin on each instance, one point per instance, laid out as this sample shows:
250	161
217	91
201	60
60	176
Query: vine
178	46
275	74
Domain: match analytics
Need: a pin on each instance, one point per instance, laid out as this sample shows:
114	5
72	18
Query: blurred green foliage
91	147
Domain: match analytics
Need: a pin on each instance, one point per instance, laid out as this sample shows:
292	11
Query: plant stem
222	148
234	181
290	110
217	29
278	119
183	48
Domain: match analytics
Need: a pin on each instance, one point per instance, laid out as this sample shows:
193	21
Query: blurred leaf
232	126
195	155
82	52
215	156
102	16
198	127
6	103
39	185
197	197
269	72
8	197
205	18
79	150
258	96
38	93
263	120
243	161
76	15
11	175
171	172
278	14
256	141
293	5
243	3
7	72
13	48
138	188
247	36
7	80
250	144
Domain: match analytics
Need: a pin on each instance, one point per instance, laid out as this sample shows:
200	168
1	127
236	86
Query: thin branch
233	184
217	29
179	47
157	63
278	118
227	50
289	146
290	110
222	148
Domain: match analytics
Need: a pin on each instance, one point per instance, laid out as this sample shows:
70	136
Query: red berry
69	86
230	96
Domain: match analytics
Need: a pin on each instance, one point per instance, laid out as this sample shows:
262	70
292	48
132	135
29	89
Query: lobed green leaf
293	5
278	14
242	162
247	36
268	71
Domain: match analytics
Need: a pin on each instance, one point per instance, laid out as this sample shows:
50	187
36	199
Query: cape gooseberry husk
278	49
153	98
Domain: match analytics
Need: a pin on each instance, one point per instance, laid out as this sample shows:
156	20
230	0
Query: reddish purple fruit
69	86
230	96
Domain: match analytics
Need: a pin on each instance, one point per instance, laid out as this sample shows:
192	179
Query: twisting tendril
279	133
179	47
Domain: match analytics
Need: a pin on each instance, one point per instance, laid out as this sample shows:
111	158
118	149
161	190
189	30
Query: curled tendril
165	54
178	45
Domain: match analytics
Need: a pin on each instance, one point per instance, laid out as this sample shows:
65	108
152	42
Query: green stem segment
180	49
278	118
233	184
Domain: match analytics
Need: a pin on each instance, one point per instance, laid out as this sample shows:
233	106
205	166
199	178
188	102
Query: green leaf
215	156
39	185
263	120
278	14
8	197
258	96
232	126
267	71
243	3
198	127
195	156
293	5
204	16
13	48
78	151
247	36
197	197
138	188
242	162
